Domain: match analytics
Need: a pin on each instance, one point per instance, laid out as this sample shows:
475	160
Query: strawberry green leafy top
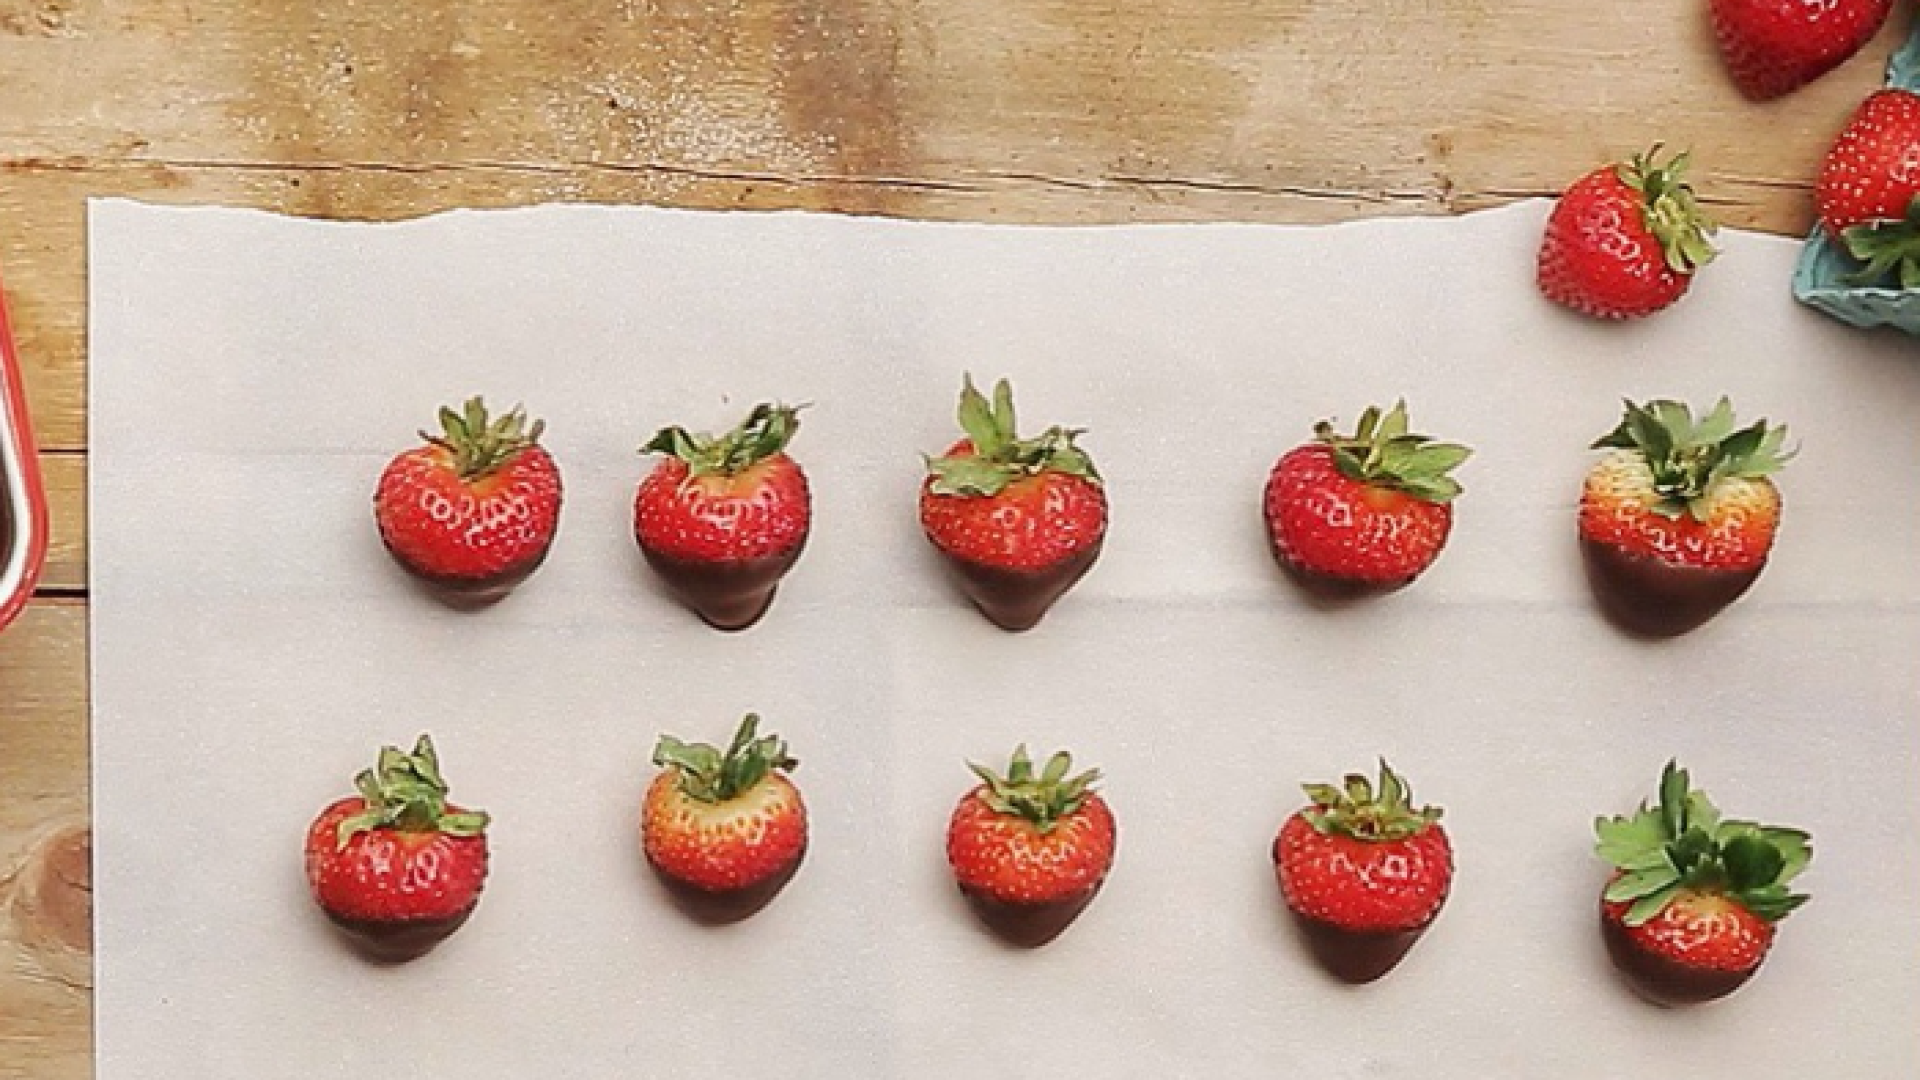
765	432
1684	844
1671	213
406	792
480	445
1688	458
1356	810
1000	456
708	775
1889	248
1043	799
1381	452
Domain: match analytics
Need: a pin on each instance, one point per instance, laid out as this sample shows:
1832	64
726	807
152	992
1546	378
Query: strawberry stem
1043	799
765	432
1689	458
1890	249
1364	811
480	445
1670	210
405	791
711	775
999	455
1683	844
1381	452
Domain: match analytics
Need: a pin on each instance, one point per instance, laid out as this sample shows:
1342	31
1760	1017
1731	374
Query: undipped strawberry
1867	195
1019	520
724	821
1029	848
474	511
1691	907
398	867
1625	240
723	518
1372	509
1678	517
1773	47
1364	870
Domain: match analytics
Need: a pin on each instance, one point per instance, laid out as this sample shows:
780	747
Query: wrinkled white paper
253	645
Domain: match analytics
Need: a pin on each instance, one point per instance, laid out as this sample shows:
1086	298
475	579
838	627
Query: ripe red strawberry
475	509
724	821
1867	195
1031	850
1364	871
1773	47
1020	521
1372	509
398	867
1624	240
723	519
1690	909
1677	519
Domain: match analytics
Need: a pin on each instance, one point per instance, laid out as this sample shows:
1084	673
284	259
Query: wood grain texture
1006	110
1022	110
45	876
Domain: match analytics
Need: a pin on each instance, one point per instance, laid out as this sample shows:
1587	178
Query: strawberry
724	822
1020	521
1370	510
1867	195
722	519
1773	47
1624	241
475	509
1690	909
1364	871
1677	519
1029	851
398	867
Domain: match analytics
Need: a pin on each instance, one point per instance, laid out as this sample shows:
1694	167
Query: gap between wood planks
1442	196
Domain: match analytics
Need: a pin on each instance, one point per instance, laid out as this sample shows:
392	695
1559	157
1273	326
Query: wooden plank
45	876
1017	110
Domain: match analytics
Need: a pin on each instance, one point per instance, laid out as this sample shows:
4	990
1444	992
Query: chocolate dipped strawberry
1020	521
1364	872
1363	512
726	826
398	867
474	511
1677	519
723	518
1029	850
1691	908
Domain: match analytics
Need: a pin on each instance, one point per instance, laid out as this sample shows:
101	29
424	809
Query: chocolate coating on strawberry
1364	872
1369	511
1624	241
726	826
1690	910
1677	519
722	519
1030	850
474	511
398	867
1020	521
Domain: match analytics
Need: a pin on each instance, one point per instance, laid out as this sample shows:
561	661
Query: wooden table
1006	110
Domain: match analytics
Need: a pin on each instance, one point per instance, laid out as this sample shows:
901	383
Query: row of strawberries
1688	910
1676	519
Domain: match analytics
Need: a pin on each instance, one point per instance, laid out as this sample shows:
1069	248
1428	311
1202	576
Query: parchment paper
253	645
